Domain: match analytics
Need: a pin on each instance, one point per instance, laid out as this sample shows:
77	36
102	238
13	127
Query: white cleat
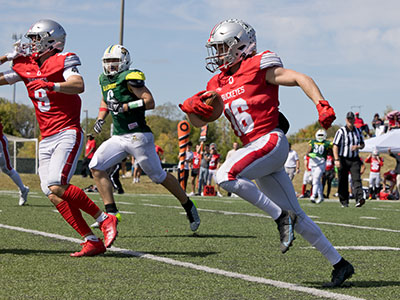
320	200
23	196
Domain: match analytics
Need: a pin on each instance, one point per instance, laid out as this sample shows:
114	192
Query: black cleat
340	275
286	223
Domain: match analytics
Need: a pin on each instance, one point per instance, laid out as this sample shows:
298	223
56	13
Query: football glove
115	107
18	51
40	84
98	126
195	105
326	114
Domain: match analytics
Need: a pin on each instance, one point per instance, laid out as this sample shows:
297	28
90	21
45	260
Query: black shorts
195	172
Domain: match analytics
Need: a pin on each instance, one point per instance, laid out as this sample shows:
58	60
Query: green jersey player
126	97
318	151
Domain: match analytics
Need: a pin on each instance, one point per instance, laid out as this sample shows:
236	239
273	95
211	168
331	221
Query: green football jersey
115	88
320	149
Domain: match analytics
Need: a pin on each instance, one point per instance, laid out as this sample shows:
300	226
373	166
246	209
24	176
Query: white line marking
265	216
275	283
369	218
121	212
362	248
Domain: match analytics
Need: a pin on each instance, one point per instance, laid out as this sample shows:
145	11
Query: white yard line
261	280
259	215
362	248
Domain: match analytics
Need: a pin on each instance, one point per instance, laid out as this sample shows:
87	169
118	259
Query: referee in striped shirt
346	144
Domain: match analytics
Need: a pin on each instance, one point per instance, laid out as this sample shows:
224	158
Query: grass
39	267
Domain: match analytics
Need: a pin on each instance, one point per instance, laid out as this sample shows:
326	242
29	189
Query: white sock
102	217
247	190
92	238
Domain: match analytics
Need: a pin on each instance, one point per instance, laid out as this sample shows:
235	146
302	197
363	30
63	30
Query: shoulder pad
135	75
270	59
71	60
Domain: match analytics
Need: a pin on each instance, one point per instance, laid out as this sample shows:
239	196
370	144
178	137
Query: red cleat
90	248
109	229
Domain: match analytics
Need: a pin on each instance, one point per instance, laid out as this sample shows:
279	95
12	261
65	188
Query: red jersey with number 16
250	103
55	112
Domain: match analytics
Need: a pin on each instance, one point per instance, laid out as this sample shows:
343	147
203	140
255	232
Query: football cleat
90	248
193	215
286	229
109	229
117	214
360	203
23	196
340	275
320	200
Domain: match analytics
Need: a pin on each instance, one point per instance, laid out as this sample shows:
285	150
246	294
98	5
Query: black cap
350	115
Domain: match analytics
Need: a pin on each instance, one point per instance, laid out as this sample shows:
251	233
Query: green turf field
235	254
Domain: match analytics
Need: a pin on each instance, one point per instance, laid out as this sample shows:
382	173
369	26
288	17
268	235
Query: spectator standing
346	145
205	161
195	169
136	170
359	123
213	167
160	152
378	125
187	165
329	173
292	164
307	177
394	121
89	152
375	173
396	156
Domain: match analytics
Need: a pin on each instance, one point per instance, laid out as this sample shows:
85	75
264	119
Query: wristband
103	109
57	87
337	159
136	104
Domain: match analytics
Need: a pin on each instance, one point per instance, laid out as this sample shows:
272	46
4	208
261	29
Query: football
213	100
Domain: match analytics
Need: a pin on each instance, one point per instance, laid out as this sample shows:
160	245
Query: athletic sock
111	208
102	217
73	217
76	197
92	238
188	206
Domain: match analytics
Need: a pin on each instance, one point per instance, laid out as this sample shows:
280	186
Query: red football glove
195	105
326	114
40	84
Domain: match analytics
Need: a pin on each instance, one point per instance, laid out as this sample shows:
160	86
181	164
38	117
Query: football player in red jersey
53	83
248	84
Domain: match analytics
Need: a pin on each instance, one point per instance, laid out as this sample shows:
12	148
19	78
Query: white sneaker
219	194
23	196
312	199
320	200
191	194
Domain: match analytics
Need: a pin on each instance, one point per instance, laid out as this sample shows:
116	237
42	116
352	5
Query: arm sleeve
11	76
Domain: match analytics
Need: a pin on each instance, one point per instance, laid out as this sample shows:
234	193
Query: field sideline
235	254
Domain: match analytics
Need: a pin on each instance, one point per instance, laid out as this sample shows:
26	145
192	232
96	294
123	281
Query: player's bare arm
287	77
144	94
103	111
73	85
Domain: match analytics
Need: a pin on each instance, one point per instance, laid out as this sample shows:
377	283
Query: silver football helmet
320	135
46	35
115	59
230	42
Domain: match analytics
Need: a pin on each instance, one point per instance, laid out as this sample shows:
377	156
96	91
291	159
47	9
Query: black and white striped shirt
345	138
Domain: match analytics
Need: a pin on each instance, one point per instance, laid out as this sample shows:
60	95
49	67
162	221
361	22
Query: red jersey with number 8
55	112
250	103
